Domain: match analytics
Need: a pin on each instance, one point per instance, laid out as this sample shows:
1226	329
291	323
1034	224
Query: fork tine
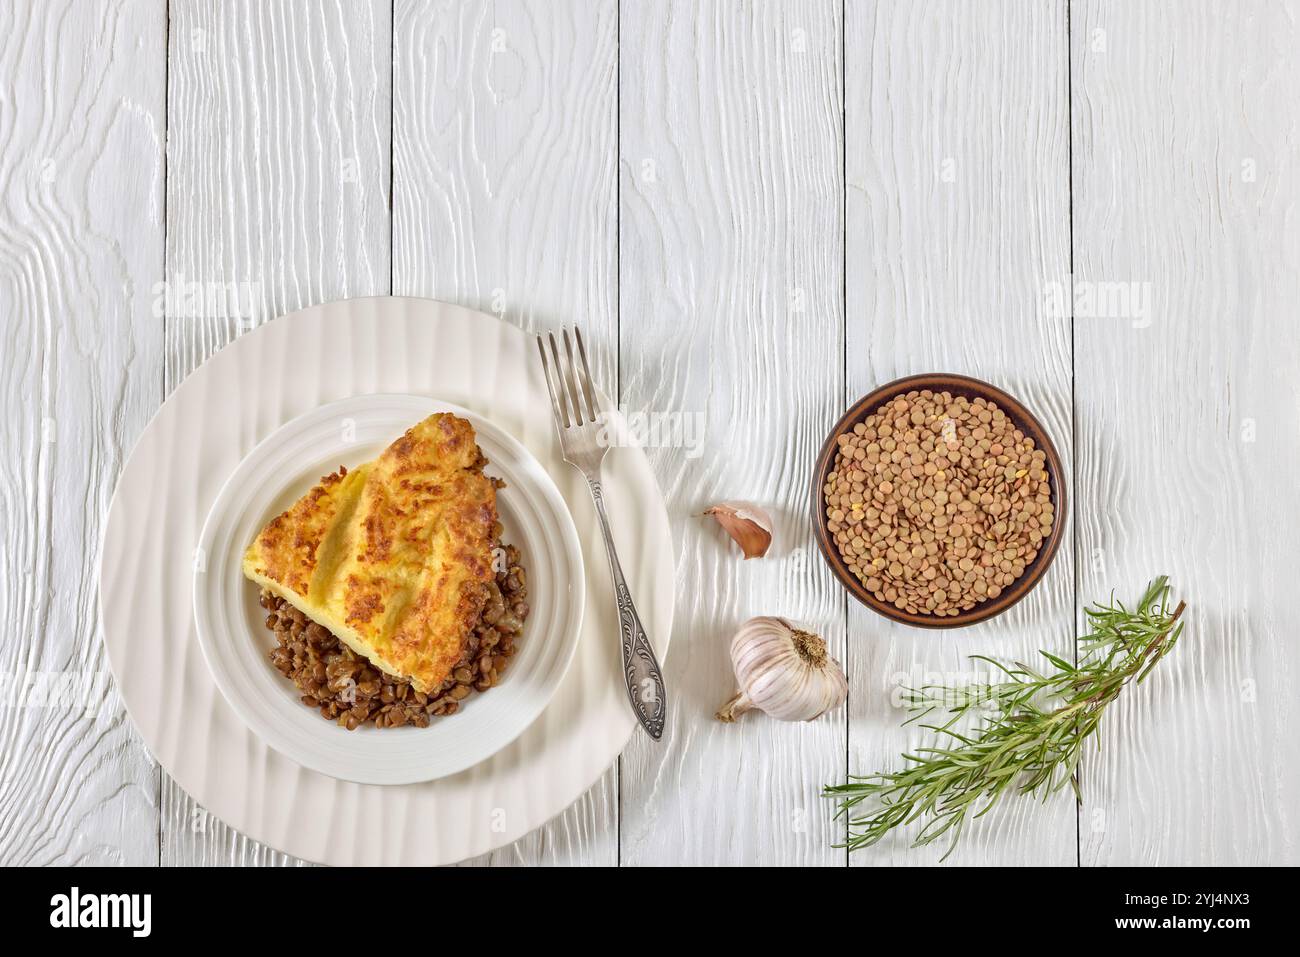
571	378
557	404
561	389
588	389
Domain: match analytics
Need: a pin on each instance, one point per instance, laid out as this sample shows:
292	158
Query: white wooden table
758	211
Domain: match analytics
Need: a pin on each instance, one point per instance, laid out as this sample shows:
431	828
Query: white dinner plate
272	375
236	642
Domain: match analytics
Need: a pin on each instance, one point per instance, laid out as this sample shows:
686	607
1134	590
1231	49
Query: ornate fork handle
645	683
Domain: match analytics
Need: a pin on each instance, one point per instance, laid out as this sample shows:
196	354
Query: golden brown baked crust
394	557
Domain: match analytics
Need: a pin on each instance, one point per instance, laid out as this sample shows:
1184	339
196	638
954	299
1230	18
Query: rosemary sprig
1035	723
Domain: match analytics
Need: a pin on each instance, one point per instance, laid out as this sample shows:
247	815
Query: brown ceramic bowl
1023	420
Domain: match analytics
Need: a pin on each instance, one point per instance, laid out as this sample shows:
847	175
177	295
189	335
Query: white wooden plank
1186	181
731	318
504	200
81	240
278	183
957	218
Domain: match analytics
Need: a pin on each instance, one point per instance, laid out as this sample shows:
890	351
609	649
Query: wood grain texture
956	151
731	317
1187	182
81	173
277	198
504	199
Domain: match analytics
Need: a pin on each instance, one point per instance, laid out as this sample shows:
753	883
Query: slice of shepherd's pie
395	557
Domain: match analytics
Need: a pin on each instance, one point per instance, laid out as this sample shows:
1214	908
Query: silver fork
578	427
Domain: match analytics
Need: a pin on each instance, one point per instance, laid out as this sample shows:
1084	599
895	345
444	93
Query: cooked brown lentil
346	688
937	502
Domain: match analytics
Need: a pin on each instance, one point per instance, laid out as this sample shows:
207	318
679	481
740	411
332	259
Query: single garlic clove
748	525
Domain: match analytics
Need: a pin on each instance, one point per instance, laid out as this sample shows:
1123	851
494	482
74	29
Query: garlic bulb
748	525
784	671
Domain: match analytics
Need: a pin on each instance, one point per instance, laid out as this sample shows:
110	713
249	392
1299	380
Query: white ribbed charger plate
235	641
205	428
